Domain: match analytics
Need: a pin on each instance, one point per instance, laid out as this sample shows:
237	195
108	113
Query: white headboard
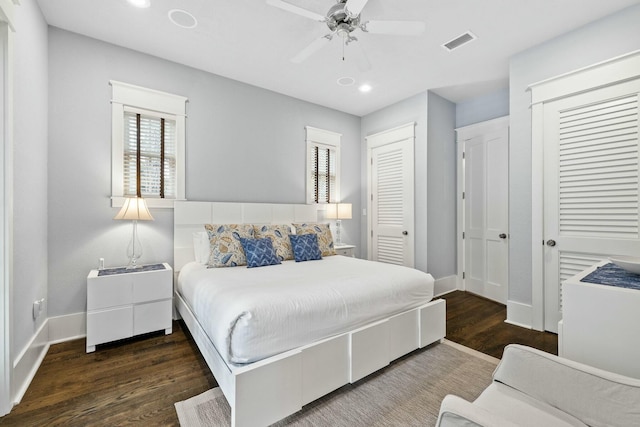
190	217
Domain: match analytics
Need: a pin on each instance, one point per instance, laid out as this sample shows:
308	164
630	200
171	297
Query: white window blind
149	156
323	166
323	174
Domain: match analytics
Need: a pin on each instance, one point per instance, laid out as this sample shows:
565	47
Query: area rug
406	393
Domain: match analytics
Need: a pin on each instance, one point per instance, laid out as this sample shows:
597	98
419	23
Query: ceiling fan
343	19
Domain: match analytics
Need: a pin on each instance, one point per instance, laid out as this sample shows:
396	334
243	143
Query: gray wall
595	42
482	108
435	176
30	172
441	187
243	144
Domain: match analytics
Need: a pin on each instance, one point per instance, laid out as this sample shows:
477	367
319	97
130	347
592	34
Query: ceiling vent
459	41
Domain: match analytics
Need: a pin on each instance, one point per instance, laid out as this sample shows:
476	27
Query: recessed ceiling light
182	18
346	81
365	88
140	3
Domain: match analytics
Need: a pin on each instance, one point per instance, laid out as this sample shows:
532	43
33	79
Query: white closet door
591	184
392	200
486	208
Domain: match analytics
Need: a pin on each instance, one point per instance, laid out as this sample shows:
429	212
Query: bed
269	373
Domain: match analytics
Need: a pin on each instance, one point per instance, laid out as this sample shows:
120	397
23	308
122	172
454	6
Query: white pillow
201	247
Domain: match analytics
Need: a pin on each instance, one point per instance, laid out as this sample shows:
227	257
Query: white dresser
123	303
600	325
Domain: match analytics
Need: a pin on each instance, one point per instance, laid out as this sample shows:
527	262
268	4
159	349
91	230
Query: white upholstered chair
534	388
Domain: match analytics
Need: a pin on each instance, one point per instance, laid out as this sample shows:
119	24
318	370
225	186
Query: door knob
551	242
404	233
502	236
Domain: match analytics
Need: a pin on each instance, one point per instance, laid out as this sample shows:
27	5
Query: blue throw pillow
305	247
259	252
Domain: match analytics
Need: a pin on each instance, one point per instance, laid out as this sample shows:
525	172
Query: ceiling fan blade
399	28
354	7
312	48
297	10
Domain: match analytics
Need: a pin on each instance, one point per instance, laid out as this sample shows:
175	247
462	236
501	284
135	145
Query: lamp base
134	250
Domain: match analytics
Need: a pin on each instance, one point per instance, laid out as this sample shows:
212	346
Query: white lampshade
344	211
331	211
134	208
338	211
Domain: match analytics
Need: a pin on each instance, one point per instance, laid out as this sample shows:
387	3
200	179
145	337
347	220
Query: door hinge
463	234
463	154
463	275
371	233
372	197
463	195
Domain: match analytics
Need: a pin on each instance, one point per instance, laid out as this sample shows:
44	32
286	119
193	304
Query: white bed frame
266	391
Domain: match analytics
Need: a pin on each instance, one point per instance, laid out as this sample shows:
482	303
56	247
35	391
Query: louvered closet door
591	184
392	203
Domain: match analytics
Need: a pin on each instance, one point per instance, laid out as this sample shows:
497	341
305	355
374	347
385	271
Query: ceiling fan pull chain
344	42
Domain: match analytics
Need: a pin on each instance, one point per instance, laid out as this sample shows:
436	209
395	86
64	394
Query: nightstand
123	303
346	250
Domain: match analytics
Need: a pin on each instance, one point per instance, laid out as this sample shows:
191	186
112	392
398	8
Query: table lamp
338	211
134	209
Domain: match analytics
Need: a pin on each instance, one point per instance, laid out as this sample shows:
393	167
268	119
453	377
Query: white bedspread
253	313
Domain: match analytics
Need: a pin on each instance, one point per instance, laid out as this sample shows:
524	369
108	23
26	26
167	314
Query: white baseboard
519	314
52	331
28	361
68	327
444	285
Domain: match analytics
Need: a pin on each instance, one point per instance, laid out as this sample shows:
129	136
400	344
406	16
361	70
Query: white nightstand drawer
346	250
108	291
152	286
109	325
152	316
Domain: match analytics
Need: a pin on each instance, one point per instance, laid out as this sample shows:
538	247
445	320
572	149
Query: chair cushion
522	410
598	398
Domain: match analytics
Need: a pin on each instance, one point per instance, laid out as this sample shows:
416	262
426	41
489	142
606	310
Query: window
149	156
148	131
323	166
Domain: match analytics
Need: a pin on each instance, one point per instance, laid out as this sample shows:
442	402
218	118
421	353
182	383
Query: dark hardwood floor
478	323
137	381
132	382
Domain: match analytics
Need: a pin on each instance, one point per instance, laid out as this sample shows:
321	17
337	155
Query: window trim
152	102
324	139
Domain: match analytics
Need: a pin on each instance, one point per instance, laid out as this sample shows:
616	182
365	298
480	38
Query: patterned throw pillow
305	247
279	235
259	252
225	248
325	238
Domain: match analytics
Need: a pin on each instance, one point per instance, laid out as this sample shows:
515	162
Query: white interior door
486	214
391	202
591	184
